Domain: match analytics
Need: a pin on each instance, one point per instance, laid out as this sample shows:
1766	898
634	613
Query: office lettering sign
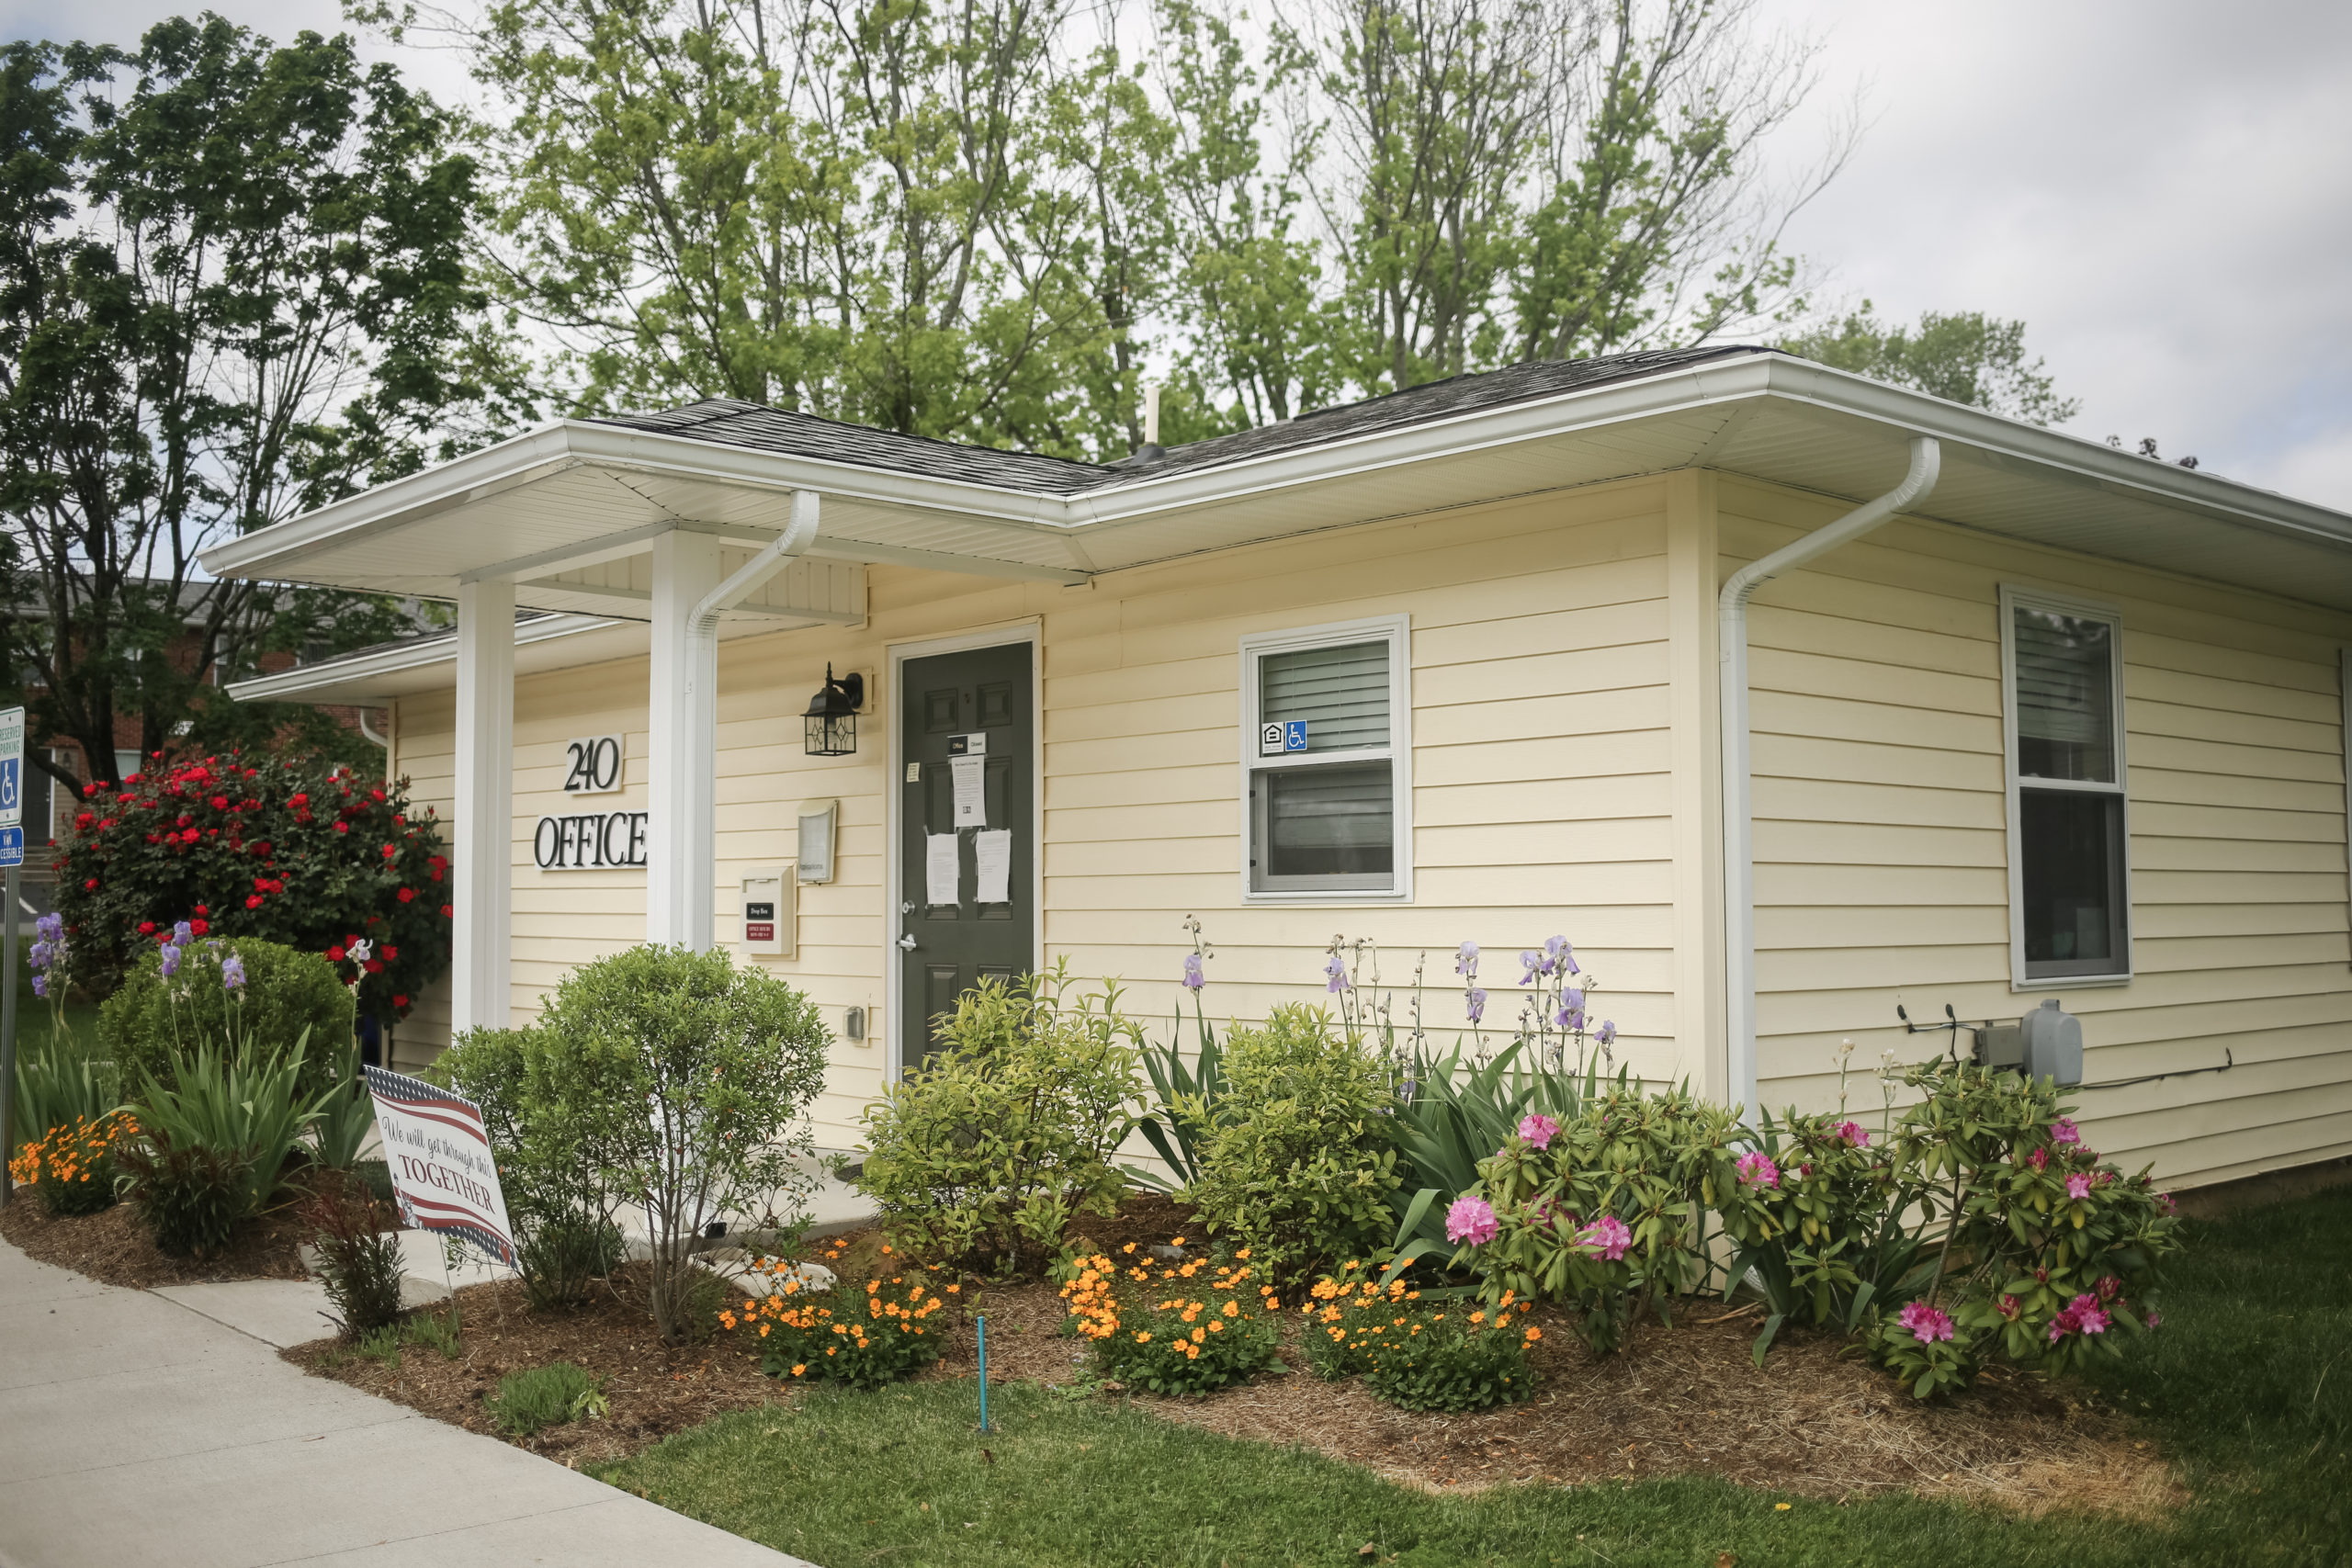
596	841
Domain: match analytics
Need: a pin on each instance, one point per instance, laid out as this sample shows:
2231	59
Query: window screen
1325	766
1340	694
2065	693
2067	830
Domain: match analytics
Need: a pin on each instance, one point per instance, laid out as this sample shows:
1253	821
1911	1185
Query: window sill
1334	896
2069	982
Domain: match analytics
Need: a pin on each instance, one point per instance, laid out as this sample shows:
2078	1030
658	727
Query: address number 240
592	765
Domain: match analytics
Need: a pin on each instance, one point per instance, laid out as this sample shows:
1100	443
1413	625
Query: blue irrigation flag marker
983	1322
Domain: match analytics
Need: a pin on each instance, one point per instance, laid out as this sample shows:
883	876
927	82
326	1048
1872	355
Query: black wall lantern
832	715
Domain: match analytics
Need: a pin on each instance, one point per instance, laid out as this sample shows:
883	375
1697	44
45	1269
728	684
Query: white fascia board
357	670
569	443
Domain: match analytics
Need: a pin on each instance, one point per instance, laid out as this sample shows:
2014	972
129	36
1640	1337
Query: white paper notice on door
994	849
970	811
942	868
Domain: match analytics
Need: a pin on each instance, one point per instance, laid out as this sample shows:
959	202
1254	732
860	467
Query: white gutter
694	767
1739	855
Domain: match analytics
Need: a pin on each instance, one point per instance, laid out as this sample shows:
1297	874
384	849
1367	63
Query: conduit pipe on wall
1739	856
697	836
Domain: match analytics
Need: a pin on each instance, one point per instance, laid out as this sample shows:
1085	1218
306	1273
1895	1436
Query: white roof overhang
569	512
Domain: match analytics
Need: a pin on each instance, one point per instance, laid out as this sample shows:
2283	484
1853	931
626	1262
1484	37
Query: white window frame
1396	630
2012	598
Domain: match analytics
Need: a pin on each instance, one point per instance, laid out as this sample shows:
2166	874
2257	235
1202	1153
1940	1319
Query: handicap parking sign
1295	735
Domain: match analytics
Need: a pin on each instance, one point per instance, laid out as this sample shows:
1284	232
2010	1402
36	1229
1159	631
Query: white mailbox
771	919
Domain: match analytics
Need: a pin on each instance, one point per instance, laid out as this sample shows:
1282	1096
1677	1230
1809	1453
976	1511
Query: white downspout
1739	859
698	803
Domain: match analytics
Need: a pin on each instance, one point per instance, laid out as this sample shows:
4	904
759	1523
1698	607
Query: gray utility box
2045	1043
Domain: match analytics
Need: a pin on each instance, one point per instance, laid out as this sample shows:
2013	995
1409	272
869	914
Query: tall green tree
235	289
1965	355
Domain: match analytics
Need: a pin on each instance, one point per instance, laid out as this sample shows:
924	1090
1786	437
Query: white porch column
484	872
682	715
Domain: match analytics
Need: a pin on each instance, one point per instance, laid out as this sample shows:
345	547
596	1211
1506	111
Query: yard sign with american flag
441	1169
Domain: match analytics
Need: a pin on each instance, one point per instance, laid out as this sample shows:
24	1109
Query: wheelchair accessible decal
1275	739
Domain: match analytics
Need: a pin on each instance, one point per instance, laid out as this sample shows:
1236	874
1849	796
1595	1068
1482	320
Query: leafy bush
562	1254
660	1077
1010	1129
862	1338
359	1258
1297	1163
191	1197
58	1086
1175	1082
1603	1212
152	1023
539	1397
1456	1111
1188	1328
72	1165
254	1109
294	851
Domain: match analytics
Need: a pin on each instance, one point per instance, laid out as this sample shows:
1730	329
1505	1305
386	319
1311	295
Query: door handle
908	942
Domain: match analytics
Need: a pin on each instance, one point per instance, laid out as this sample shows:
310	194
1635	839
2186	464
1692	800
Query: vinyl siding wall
1881	848
1543	773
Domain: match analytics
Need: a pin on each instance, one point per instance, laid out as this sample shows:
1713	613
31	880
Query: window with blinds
1325	760
2069	849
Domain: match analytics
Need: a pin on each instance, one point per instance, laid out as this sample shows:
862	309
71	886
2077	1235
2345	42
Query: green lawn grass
2245	1385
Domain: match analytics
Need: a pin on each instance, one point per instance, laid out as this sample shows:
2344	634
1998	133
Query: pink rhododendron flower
2110	1288
1538	1129
1927	1324
1757	1169
2038	1159
1471	1220
1607	1236
2064	1130
1855	1134
2081	1316
2078	1186
2154	1317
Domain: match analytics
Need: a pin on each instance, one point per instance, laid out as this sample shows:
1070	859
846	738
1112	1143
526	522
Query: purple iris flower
1465	961
40	986
1563	956
183	933
1474	1001
171	961
1608	1033
1337	971
1572	1009
50	926
1194	978
1533	964
233	973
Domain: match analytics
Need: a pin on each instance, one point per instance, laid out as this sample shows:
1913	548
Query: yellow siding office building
2004	716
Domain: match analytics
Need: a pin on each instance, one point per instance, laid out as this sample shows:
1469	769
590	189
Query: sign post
12	855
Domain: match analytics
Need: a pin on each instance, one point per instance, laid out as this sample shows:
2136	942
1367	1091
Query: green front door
967	714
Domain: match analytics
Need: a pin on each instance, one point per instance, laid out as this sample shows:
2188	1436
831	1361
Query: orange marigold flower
1533	1334
798	1368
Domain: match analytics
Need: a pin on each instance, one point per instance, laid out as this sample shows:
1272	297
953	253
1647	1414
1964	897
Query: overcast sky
2161	189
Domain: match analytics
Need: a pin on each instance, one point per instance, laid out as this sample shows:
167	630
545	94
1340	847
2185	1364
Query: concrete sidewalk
137	1428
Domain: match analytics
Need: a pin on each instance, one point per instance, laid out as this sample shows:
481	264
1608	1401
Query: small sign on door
1275	739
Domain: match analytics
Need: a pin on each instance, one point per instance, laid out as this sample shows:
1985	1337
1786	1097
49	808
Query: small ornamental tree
298	851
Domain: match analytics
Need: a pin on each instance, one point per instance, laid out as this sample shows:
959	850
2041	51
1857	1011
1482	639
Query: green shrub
1443	1360
191	1197
359	1260
989	1149
1604	1212
539	1397
150	1022
661	1077
346	1114
72	1167
252	1108
560	1255
1297	1162
435	1331
1175	1329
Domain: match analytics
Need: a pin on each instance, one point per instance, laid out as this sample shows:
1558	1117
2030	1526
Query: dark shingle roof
730	422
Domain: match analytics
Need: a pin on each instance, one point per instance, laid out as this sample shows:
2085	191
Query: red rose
445	911
343	826
298	800
146	928
90	885
254	902
374	967
399	1000
219	803
202	910
391	953
334	954
200	927
83	820
407	893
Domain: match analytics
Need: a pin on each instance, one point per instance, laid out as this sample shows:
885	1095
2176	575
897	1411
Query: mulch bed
654	1390
113	1248
1813	1420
